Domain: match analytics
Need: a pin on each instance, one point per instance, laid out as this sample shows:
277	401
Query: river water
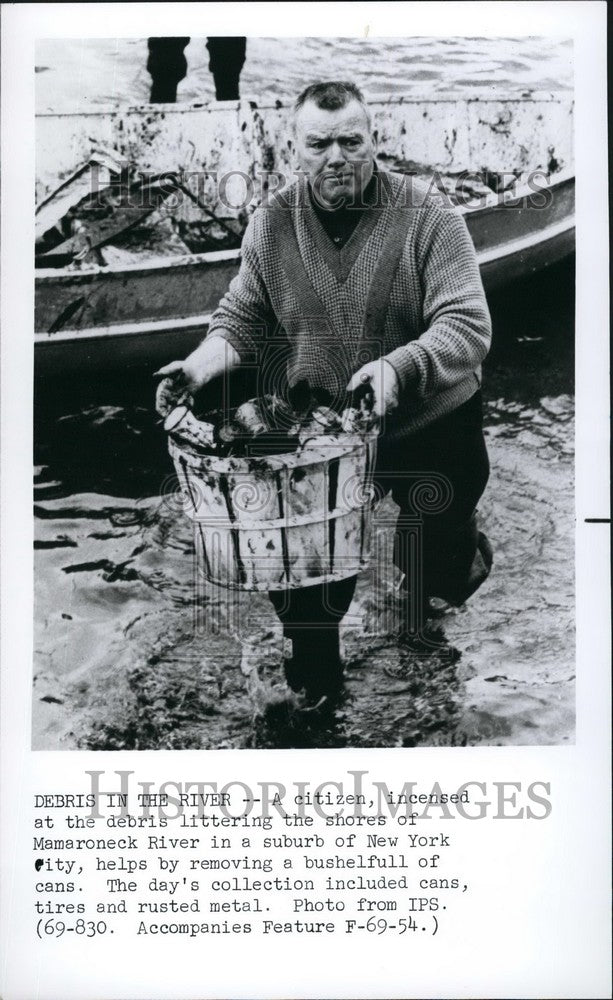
78	74
121	661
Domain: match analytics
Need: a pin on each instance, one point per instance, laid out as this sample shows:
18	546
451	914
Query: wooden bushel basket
281	521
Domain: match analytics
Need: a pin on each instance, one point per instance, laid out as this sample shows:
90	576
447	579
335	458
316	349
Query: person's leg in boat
167	66
226	60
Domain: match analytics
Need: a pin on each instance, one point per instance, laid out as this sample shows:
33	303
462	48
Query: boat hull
104	318
521	234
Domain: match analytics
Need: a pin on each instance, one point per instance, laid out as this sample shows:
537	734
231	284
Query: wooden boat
151	311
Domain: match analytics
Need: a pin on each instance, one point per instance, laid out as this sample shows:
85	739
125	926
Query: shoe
457	589
430	639
305	702
313	684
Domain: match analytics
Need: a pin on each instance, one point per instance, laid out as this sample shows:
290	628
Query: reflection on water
127	658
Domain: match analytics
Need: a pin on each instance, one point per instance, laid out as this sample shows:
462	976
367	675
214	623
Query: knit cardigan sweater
406	287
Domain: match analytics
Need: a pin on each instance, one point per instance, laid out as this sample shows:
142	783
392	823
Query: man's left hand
383	380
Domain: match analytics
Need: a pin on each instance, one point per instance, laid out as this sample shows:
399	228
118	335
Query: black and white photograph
349	266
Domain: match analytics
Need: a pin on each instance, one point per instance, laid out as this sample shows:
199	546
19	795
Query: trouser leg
226	60
311	617
167	66
441	551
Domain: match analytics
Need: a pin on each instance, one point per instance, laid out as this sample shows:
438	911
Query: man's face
336	150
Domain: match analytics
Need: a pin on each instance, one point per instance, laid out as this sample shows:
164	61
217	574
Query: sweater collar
341	259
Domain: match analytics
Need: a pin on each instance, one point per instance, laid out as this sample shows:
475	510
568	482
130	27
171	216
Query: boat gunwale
496	201
148	327
49	274
256	104
152	264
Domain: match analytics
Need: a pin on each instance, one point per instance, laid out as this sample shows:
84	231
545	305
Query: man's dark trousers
451	449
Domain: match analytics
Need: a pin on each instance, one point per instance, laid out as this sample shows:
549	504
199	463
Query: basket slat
283	521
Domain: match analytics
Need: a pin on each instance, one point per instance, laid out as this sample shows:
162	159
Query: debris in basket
267	424
182	424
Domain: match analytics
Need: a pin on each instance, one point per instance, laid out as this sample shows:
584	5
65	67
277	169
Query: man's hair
331	95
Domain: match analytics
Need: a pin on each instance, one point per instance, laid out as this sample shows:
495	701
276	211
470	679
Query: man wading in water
371	281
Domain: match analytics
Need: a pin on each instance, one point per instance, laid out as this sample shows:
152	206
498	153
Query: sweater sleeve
244	314
456	318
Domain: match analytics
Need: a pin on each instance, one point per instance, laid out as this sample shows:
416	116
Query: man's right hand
182	379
